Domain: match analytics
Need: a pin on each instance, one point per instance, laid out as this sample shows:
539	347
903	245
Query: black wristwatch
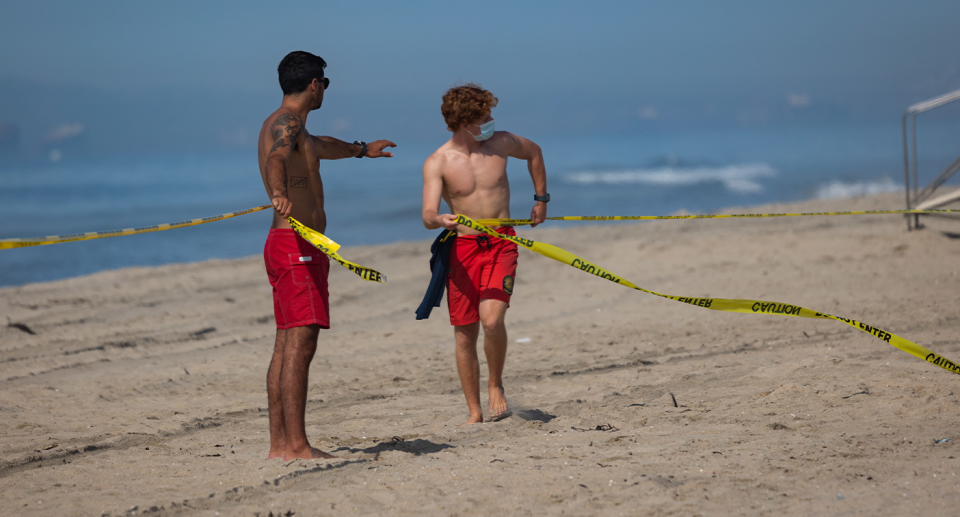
545	198
363	149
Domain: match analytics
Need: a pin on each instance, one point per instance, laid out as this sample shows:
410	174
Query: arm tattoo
286	129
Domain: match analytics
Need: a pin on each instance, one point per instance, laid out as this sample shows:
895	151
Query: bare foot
278	447
474	419
498	404
309	454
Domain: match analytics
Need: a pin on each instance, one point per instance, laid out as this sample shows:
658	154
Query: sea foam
740	179
840	190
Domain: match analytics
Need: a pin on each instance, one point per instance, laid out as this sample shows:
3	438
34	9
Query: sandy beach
142	390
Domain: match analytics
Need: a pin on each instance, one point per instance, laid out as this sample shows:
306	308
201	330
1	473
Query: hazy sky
566	66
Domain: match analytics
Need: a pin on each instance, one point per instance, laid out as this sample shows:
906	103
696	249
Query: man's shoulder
504	137
435	164
283	117
286	117
440	156
285	124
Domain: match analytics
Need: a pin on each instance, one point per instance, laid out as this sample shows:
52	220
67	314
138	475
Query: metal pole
916	174
906	168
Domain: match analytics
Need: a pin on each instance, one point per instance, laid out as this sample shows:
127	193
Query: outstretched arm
524	149
285	131
330	148
432	192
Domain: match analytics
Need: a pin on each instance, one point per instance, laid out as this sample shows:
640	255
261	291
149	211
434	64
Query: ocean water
378	201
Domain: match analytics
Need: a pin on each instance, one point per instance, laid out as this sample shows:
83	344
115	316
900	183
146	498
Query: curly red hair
465	104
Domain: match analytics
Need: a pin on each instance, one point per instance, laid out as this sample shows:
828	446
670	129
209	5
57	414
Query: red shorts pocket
307	268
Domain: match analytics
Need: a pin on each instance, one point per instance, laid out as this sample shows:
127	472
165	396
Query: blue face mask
486	131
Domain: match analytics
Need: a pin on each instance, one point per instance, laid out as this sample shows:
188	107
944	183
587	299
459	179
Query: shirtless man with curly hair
469	172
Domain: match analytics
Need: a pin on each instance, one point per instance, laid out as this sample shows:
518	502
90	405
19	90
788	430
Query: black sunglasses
326	83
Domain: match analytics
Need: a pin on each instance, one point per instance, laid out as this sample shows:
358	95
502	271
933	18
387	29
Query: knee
300	350
467	345
492	323
466	336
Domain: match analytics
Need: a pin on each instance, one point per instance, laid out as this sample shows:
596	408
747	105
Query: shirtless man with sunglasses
290	168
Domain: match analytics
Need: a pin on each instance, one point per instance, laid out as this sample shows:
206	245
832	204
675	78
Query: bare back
283	135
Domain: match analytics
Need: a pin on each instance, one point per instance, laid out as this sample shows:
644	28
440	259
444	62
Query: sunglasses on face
326	83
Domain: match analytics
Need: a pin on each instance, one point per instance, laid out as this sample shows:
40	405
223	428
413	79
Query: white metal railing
916	196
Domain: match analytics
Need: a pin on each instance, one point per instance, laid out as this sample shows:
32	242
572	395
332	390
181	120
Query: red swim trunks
298	273
481	268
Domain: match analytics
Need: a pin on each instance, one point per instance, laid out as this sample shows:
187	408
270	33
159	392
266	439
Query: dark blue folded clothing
439	263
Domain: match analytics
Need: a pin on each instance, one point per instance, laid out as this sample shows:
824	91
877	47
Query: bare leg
299	346
469	368
492	313
278	431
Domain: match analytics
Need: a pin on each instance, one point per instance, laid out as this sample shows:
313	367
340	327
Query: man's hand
449	221
375	149
330	148
282	205
539	213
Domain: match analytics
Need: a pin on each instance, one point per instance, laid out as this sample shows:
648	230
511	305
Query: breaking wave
740	179
839	189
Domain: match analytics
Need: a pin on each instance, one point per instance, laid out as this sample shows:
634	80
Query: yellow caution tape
54	239
522	222
326	245
717	304
319	240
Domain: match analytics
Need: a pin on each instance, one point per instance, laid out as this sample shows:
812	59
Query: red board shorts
481	267
298	273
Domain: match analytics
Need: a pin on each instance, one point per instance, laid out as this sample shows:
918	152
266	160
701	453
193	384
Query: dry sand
142	390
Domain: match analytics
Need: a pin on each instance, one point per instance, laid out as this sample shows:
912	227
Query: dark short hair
298	69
